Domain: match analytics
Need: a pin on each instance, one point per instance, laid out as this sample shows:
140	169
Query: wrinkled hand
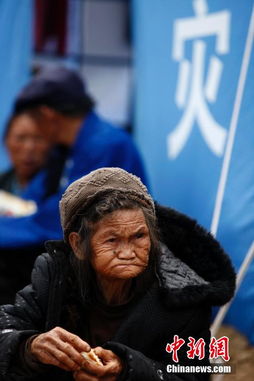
60	348
112	367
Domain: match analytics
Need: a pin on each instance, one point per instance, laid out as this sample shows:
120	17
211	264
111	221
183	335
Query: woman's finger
75	341
112	363
57	343
104	354
71	352
47	358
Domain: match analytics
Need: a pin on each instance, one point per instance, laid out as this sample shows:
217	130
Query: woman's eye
112	239
140	235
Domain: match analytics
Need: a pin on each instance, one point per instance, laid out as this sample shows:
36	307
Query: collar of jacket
199	250
192	267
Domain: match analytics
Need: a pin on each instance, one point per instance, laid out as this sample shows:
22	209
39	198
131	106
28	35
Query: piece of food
92	357
14	206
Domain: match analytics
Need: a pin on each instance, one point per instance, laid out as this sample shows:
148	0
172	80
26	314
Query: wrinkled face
121	245
27	147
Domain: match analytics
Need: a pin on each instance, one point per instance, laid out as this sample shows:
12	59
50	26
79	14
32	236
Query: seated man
56	99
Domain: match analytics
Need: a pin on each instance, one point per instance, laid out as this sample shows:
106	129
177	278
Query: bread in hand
92	357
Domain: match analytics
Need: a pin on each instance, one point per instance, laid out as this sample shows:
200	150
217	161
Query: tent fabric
195	117
15	56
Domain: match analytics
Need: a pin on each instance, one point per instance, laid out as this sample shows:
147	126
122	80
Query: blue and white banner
15	56
195	119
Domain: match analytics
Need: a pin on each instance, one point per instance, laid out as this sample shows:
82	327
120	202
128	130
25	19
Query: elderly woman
129	279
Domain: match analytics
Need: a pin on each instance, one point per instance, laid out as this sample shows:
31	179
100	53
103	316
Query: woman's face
27	147
121	245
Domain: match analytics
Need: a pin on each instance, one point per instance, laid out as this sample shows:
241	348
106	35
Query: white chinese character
191	80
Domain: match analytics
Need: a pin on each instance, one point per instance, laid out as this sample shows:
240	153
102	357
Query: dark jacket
199	274
6	180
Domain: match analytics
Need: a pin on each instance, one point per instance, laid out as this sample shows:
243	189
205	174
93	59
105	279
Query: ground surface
242	356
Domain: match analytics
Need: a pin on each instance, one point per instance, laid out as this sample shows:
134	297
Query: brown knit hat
82	191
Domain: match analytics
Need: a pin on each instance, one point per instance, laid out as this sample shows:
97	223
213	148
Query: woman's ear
74	241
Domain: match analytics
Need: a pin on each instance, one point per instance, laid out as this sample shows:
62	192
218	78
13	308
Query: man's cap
53	87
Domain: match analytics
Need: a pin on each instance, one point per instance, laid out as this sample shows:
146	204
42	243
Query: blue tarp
15	56
195	119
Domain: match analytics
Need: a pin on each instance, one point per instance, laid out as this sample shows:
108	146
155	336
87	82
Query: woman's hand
112	367
60	348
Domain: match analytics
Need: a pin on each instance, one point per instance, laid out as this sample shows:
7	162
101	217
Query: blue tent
15	56
195	119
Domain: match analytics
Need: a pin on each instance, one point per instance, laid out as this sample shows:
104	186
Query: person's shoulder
170	214
109	131
49	271
54	259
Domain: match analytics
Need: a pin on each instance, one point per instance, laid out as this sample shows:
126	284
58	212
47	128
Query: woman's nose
29	145
125	252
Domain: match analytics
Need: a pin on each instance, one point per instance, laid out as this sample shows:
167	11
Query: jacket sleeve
162	367
25	318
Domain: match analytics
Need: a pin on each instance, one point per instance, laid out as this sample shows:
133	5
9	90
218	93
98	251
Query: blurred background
91	36
178	75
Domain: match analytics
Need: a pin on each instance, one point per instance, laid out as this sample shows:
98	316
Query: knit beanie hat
83	191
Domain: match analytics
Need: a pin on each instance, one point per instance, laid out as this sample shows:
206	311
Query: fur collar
193	267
